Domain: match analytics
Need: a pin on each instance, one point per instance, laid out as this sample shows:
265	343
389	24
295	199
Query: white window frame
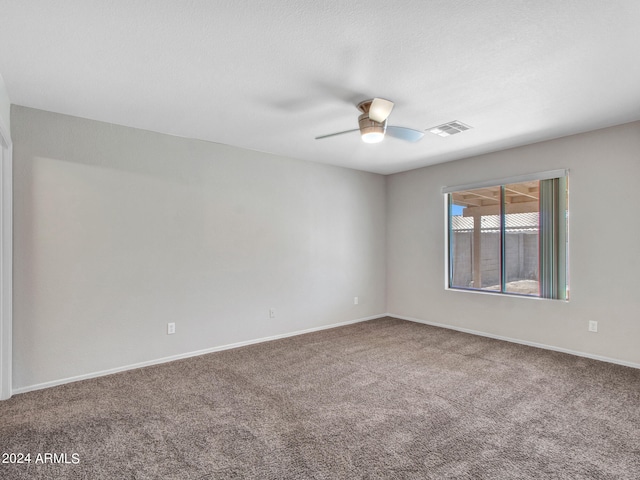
546	175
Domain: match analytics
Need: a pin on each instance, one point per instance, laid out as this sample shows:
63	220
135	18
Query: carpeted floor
382	399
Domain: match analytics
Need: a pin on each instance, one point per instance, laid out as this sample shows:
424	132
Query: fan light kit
373	123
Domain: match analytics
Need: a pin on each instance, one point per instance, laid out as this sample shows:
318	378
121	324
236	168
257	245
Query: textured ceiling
272	75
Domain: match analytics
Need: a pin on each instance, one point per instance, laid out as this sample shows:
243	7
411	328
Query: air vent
450	128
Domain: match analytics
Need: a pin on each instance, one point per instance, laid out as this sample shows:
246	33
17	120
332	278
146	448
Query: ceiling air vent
450	128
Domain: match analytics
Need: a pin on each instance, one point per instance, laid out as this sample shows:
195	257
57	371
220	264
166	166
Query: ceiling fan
373	123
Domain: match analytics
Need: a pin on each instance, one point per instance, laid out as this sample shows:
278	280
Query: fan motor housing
364	106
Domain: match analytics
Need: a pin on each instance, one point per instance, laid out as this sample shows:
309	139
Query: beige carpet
382	399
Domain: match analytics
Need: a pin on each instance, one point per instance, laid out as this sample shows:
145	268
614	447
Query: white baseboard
521	342
196	353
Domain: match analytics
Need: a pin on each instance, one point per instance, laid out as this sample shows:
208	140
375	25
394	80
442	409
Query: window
510	236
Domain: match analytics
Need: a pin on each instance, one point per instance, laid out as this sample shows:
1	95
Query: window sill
500	294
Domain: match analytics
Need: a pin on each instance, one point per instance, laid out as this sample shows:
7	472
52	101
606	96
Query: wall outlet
593	326
171	328
355	300
272	313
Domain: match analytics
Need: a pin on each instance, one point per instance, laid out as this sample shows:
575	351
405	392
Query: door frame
6	262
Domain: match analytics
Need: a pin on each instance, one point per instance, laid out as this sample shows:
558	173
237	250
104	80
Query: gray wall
119	231
604	171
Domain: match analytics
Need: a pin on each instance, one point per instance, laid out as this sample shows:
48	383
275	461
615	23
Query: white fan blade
380	109
404	133
339	133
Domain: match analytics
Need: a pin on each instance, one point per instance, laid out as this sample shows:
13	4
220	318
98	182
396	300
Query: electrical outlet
355	300
272	313
593	326
171	328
